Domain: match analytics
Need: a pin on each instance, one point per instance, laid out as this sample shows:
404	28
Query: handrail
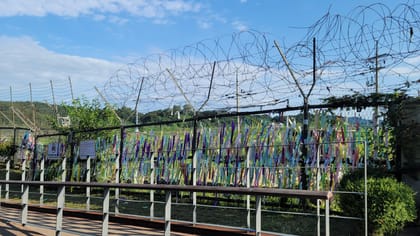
258	192
323	195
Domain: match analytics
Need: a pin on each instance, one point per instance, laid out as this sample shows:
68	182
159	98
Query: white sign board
54	151
87	149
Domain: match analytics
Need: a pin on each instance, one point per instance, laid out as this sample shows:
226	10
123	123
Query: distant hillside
43	112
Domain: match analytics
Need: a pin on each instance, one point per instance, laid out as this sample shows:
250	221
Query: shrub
7	149
391	204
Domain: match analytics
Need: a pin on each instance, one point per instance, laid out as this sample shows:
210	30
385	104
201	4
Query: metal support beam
25	196
168	213
105	212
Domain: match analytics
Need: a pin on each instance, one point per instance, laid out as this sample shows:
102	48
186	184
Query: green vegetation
391	204
7	149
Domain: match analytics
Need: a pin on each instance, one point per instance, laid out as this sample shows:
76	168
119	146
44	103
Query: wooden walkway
44	224
42	220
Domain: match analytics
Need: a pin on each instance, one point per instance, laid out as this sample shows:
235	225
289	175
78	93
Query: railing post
327	217
23	168
248	185
258	216
105	212
63	169
168	213
152	181
118	172
7	179
60	209
25	196
366	186
194	183
42	178
88	181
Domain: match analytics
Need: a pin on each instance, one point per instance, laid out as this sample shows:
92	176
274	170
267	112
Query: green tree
87	115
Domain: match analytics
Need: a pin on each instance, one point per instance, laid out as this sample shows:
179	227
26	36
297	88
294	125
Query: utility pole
237	102
376	112
71	89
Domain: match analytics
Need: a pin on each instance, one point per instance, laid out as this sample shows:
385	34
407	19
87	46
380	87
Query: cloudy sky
89	40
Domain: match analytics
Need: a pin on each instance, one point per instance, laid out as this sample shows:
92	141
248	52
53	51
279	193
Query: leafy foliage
7	149
391	203
87	115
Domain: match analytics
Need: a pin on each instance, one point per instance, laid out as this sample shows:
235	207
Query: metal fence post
248	185
105	212
118	170
7	179
168	213
23	168
42	178
63	169
60	209
258	216
327	217
152	181
25	196
366	187
318	201
88	181
194	183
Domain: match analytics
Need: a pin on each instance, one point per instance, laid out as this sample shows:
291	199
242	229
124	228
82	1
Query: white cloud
117	20
24	61
240	26
95	8
203	24
243	1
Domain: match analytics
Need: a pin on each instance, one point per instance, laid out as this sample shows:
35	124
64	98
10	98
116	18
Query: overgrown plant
391	204
7	149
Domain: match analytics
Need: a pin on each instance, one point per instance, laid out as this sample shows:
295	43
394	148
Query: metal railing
168	189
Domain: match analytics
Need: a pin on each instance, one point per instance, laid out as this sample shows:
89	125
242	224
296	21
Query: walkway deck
41	221
44	224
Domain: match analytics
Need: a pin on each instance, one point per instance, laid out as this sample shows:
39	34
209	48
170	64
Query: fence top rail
188	188
12	128
229	114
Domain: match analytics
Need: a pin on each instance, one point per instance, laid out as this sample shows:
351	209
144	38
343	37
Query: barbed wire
249	72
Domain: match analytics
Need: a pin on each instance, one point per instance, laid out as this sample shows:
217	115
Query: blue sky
88	40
